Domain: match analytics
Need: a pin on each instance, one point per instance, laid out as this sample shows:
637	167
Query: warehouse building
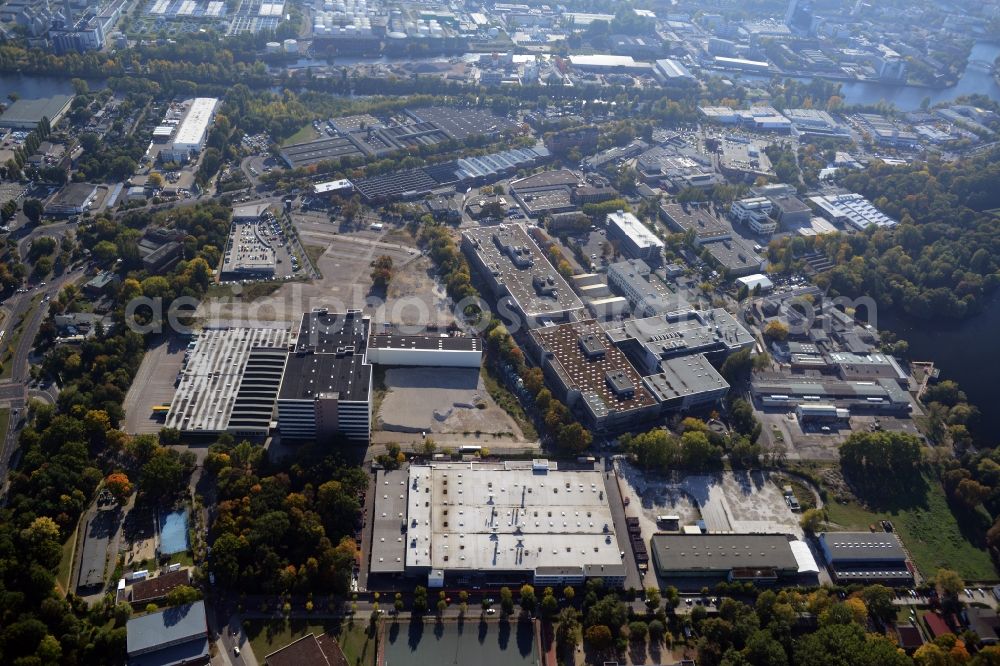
592	376
176	636
669	70
879	395
326	388
192	130
388	345
25	114
514	268
755	558
647	342
72	199
492	524
229	382
549	192
866	557
635	238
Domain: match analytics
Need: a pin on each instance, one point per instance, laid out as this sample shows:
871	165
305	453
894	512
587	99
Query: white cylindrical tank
272	47
291	46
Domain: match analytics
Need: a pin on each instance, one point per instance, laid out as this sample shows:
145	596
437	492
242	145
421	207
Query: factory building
229	382
866	557
491	524
635	238
592	376
327	384
647	342
387	345
192	131
872	396
647	293
755	558
515	269
851	210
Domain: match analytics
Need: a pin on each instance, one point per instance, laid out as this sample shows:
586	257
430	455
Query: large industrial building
593	376
327	384
192	130
512	265
390	345
635	238
877	395
175	636
646	293
757	558
649	341
866	557
686	382
851	210
458	524
696	219
229	382
25	114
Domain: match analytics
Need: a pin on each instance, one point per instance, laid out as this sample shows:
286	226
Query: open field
932	534
307	133
268	636
343	260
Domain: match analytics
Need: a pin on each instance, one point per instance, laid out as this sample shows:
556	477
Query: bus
470	449
161	410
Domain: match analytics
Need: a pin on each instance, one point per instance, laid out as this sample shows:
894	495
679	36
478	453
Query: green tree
33	209
598	637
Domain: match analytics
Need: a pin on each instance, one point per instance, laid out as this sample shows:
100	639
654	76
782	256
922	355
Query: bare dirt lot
344	261
727	502
441	400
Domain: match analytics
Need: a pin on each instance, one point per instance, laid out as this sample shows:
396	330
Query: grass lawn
314	252
4	422
183	558
307	133
66	562
268	636
934	535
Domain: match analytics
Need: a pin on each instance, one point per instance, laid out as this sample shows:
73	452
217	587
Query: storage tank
272	47
494	33
291	46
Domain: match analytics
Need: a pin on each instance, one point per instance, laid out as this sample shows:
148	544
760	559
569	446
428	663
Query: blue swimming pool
173	532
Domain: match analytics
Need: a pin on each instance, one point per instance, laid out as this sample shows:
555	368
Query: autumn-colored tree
119	486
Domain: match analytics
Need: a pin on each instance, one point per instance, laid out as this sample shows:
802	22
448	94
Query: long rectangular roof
216	369
526	274
505	517
195	124
723	552
176	625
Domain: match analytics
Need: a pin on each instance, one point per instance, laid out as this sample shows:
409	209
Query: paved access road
14	389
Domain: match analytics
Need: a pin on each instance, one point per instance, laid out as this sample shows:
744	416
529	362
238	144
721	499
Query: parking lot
741	502
153	385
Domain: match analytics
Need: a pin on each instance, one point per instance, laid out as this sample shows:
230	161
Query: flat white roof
192	130
332	186
507	517
755	280
630	225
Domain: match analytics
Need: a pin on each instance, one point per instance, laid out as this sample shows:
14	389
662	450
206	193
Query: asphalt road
13	390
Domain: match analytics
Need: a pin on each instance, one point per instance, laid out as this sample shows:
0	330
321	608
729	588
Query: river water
964	351
909	98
